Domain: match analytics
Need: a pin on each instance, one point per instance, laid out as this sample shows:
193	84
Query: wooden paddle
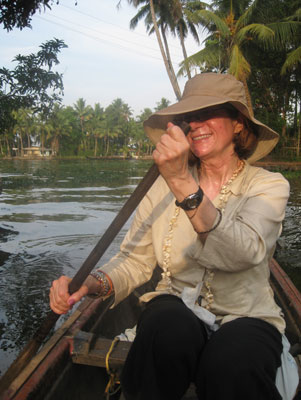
33	345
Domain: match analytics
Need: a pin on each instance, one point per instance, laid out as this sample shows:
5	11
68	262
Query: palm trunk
184	51
95	146
299	135
21	146
172	77
7	146
167	53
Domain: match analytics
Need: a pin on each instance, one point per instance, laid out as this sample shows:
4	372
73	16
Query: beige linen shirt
237	251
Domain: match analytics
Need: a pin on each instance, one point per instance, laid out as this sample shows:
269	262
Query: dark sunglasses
205	114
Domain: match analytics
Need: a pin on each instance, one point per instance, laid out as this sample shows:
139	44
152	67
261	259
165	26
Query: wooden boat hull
57	372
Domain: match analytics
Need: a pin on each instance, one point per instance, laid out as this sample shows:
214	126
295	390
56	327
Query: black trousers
172	349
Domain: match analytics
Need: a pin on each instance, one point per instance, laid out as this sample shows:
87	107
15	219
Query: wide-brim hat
207	90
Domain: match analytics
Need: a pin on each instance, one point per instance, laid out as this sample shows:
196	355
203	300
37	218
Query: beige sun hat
207	90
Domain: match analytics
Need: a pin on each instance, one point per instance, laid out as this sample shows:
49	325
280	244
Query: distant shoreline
268	163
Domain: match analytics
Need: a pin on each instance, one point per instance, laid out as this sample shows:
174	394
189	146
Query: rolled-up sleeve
250	227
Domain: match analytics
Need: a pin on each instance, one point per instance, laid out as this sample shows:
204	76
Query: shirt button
199	300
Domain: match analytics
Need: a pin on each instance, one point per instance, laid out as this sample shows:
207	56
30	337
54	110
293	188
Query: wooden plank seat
91	350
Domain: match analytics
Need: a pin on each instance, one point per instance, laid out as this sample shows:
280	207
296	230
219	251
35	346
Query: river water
52	213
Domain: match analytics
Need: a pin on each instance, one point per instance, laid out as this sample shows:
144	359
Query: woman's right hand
60	300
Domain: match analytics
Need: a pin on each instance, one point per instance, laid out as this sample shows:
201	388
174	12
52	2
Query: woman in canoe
211	222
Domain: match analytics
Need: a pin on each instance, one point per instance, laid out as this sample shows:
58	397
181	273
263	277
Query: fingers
175	132
60	300
171	146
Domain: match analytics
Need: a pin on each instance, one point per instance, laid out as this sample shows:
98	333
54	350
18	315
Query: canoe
82	357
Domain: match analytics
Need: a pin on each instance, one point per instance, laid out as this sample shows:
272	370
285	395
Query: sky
104	60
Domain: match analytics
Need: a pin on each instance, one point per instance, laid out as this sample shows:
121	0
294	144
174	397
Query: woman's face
212	132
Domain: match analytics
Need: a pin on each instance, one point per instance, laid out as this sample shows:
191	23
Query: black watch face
194	202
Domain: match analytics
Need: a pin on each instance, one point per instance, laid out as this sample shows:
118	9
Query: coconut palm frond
194	32
293	58
206	17
260	31
247	16
208	56
295	16
239	66
284	31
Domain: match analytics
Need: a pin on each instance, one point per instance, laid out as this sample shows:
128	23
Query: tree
95	124
18	13
163	103
23	127
139	135
294	56
32	84
150	12
232	30
60	126
179	20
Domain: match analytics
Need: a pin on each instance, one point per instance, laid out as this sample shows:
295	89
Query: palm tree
60	125
118	115
180	21
83	113
95	124
294	55
149	12
23	126
163	103
229	37
225	45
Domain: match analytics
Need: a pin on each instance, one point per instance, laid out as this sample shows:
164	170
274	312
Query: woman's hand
60	300
171	154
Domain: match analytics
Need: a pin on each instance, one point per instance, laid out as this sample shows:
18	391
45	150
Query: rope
111	388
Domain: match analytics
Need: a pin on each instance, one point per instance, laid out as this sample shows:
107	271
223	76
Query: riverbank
265	163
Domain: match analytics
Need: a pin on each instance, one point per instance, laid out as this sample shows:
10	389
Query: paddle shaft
33	345
126	211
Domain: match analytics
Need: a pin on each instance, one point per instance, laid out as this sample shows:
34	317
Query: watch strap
192	201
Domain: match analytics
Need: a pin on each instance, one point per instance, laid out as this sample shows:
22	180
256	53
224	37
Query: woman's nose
195	124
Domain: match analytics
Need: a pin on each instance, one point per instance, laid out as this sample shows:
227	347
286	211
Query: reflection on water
52	213
51	216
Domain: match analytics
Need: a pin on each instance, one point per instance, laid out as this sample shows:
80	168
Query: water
52	213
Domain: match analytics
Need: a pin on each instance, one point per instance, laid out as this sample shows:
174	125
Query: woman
211	222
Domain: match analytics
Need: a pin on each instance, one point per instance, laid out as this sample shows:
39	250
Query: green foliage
18	13
80	130
32	84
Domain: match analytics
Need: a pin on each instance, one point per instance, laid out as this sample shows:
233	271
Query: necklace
225	189
166	250
166	274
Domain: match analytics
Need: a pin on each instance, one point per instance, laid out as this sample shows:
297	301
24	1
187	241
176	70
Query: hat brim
155	125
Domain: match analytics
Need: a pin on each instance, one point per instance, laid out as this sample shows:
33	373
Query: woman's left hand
171	154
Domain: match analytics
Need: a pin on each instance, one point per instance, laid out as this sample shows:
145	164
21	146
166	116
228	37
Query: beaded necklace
225	189
166	274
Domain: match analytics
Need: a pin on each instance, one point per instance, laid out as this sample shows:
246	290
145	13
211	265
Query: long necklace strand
166	274
225	190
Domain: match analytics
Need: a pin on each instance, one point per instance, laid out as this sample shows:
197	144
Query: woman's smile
201	137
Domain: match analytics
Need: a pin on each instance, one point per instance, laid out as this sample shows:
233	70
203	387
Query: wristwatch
192	201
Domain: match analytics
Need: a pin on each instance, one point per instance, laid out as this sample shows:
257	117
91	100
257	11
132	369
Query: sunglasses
205	114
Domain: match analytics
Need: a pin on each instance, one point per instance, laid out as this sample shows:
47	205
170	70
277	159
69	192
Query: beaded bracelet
214	226
105	284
